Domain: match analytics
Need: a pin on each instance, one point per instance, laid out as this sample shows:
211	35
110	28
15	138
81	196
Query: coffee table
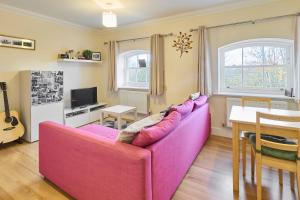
118	111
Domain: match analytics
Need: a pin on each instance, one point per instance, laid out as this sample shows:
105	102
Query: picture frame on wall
96	56
16	42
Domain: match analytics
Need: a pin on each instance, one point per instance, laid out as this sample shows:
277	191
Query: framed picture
15	42
96	56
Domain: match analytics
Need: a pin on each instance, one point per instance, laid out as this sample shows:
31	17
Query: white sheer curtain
204	65
297	60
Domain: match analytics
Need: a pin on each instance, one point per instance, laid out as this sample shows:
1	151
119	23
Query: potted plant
87	54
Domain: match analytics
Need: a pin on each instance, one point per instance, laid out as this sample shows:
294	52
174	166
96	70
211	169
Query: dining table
244	119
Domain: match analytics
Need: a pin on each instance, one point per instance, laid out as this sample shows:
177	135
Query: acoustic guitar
10	127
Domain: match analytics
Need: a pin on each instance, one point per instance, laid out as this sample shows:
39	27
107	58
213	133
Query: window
256	66
134	69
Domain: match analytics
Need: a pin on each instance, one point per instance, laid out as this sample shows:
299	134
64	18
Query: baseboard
220	131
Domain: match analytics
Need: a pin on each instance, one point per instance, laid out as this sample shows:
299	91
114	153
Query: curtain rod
250	21
140	38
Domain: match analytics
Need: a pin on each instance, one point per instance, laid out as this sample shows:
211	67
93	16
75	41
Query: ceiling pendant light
109	18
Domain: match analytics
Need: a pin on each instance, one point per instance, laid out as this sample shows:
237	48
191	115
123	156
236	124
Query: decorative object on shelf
96	56
63	56
87	54
70	54
183	43
15	42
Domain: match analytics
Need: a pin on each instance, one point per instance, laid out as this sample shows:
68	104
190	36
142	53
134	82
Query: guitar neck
6	105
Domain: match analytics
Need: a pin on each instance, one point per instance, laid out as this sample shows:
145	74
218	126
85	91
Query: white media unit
81	116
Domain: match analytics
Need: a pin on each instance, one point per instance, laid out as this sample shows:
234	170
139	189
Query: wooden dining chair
284	155
245	135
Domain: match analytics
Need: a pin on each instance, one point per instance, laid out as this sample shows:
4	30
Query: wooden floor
210	177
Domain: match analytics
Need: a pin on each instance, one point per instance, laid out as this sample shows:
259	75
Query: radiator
138	99
237	102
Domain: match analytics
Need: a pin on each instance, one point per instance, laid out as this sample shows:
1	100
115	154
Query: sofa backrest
173	155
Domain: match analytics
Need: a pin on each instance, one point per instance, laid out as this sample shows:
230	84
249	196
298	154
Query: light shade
109	19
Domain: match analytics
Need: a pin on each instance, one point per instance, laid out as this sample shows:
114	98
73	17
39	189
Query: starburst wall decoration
183	43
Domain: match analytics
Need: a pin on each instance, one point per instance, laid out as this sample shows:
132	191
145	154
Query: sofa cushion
194	96
184	109
199	102
127	135
150	135
103	131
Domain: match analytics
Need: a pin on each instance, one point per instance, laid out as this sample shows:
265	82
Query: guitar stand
19	140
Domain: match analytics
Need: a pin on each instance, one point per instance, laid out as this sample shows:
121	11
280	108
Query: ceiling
88	12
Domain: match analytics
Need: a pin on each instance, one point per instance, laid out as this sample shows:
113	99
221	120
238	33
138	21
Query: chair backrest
277	131
268	101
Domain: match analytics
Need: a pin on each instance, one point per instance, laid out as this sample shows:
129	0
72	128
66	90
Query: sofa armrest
88	166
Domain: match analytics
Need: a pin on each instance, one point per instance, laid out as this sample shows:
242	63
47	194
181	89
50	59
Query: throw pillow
199	102
167	111
184	109
127	135
150	135
194	96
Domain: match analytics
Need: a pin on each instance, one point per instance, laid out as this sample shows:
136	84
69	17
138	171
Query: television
83	97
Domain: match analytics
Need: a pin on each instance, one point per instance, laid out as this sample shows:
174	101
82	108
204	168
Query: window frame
261	42
136	85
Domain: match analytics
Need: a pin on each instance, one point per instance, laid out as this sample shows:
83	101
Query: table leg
135	115
101	118
235	155
119	122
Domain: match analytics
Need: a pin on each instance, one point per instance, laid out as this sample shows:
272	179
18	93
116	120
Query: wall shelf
79	61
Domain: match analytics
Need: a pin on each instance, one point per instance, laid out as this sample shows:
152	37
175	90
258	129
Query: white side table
118	111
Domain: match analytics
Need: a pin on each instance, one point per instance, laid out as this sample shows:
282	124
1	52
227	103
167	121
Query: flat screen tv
83	97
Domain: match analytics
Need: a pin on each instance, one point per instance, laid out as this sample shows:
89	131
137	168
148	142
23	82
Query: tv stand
83	115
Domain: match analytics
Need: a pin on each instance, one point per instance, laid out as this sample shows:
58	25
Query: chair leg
258	176
292	180
244	155
280	176
252	163
298	177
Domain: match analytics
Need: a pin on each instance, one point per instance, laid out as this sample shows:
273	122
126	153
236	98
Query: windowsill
273	96
133	88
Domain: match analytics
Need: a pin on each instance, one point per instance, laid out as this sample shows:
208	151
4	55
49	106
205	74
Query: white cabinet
81	116
41	100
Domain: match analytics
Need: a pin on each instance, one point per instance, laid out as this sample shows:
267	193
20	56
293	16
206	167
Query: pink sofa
89	165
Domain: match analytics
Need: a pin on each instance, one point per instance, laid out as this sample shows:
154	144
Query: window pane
269	55
233	57
142	75
253	56
281	56
233	77
276	77
275	55
253	77
132	62
131	75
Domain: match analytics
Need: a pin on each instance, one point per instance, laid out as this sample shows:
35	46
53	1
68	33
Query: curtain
204	66
157	82
112	66
297	60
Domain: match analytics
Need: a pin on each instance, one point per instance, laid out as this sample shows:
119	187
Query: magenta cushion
150	135
199	102
184	109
